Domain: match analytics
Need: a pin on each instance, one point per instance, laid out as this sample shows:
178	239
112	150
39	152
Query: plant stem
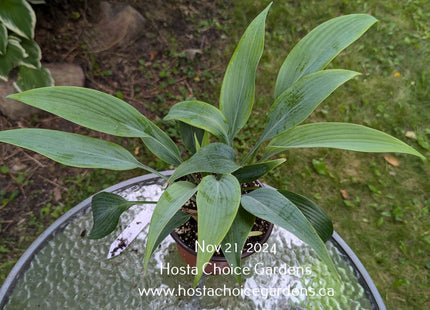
251	154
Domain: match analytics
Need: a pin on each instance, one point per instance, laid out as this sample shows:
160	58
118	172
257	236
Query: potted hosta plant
212	184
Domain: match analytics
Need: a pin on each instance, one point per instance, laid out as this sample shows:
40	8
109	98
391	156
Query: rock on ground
64	74
119	26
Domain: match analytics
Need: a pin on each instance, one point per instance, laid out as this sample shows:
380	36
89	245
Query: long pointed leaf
217	205
213	158
315	51
315	215
201	115
295	104
271	206
338	135
254	171
172	199
102	112
237	91
73	149
177	220
235	239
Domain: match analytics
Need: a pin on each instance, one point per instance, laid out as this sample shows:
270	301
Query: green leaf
320	167
315	51
102	112
295	104
177	220
338	135
73	149
238	86
272	206
172	199
29	78
314	214
33	52
236	238
201	115
18	16
192	137
107	208
3	39
13	57
213	158
252	172
217	205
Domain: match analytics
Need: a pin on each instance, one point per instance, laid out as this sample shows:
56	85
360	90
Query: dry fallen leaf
344	194
393	161
191	53
57	194
411	135
153	55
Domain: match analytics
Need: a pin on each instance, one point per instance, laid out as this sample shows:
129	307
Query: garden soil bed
170	61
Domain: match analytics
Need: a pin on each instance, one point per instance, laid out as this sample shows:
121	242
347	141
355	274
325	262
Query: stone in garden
64	74
119	27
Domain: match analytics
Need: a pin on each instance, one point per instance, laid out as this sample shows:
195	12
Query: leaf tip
14	96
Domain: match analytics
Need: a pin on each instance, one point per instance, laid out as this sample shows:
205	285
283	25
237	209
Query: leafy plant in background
18	48
212	174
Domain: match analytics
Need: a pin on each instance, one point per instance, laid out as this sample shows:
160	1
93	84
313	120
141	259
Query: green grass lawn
380	209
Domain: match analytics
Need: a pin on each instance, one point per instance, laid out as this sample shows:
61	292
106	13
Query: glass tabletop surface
73	272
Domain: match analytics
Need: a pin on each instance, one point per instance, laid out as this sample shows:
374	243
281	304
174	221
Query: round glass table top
65	270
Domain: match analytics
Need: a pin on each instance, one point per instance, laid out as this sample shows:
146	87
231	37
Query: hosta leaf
217	205
18	16
14	54
213	158
272	206
201	115
315	215
177	220
295	104
29	78
107	208
73	149
236	238
252	172
315	51
102	112
172	199
3	39
238	86
338	135
191	136
33	52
